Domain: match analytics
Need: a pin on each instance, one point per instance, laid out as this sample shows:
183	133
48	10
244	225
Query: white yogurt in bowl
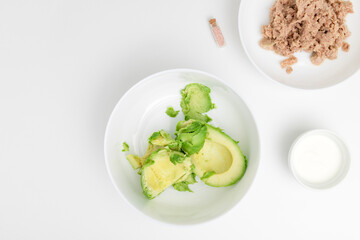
319	159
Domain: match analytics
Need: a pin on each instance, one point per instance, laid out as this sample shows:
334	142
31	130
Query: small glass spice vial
216	31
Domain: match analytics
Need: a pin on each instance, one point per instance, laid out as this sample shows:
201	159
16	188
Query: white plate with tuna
305	75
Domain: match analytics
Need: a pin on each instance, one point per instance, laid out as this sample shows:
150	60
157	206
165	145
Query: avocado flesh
161	138
150	149
222	155
191	135
158	172
134	160
195	101
184	177
199	148
158	140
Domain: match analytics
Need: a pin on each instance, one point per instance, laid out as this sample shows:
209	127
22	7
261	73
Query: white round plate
254	14
141	111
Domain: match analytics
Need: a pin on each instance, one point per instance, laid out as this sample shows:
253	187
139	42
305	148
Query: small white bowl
254	14
141	111
342	168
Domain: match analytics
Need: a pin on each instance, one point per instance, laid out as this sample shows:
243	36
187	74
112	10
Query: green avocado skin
147	163
145	190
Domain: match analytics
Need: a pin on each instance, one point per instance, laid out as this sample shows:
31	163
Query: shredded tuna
315	26
345	47
288	62
289	70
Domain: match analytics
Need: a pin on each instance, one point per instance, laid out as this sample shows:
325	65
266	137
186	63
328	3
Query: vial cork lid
212	22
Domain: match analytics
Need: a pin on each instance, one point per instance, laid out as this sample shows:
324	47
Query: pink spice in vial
216	31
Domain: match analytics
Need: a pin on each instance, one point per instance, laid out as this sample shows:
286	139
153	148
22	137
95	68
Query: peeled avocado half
217	158
220	162
198	149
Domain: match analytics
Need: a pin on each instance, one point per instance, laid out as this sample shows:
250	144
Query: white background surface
63	67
